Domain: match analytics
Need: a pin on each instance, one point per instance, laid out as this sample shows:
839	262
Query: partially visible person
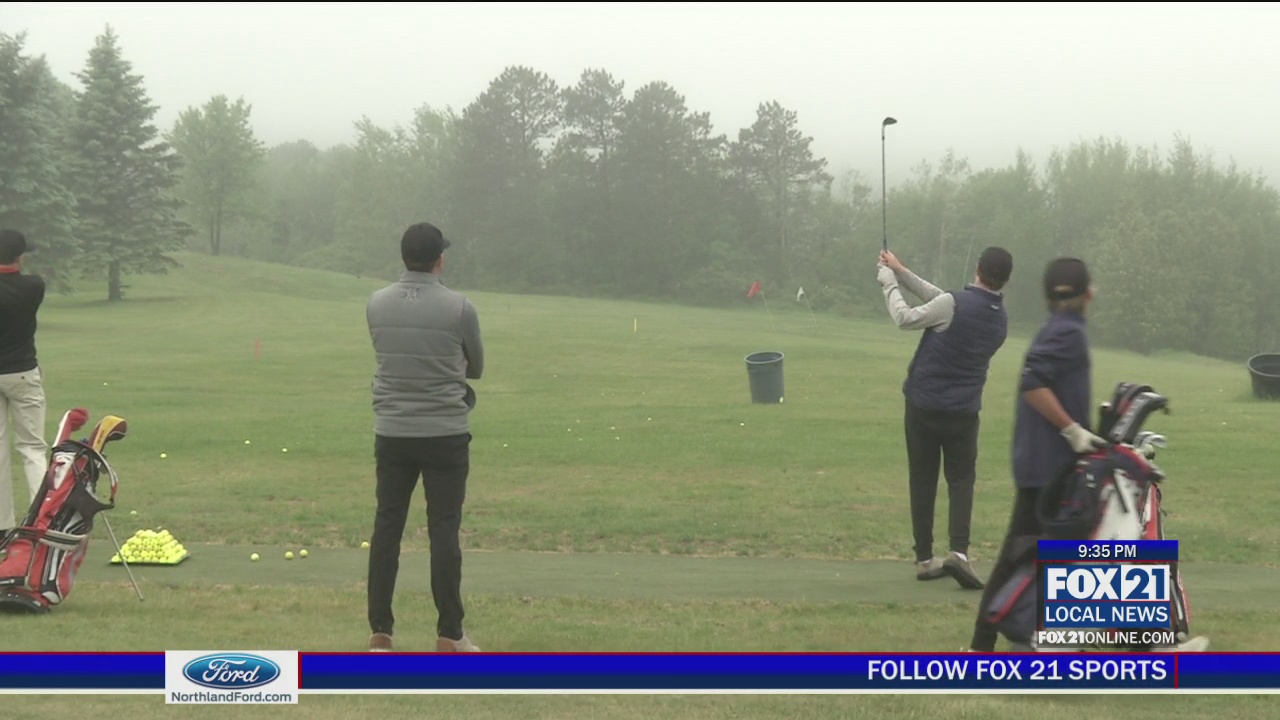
22	400
1051	420
962	331
426	339
1051	427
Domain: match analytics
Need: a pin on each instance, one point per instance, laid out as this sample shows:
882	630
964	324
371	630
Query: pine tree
33	197
124	174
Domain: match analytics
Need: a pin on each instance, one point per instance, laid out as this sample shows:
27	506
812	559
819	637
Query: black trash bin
1264	371
764	371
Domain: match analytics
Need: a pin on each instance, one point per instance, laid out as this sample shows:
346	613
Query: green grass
589	438
705	707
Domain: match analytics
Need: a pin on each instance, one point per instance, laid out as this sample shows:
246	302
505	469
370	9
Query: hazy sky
984	79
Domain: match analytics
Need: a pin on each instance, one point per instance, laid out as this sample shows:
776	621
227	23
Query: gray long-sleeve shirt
934	314
426	340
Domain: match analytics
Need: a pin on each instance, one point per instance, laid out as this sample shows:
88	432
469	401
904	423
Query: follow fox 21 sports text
1047	670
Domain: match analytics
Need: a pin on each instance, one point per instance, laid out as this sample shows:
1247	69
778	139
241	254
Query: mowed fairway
609	437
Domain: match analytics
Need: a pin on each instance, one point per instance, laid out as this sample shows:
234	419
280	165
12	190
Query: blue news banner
356	673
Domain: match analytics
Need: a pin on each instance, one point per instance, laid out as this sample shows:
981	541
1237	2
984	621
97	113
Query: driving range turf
625	494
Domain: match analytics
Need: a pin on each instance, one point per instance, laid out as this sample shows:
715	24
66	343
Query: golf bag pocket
39	569
1013	605
1012	609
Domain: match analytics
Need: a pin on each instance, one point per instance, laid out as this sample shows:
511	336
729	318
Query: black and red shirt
20	299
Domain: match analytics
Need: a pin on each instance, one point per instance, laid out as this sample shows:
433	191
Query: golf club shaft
884	186
884	197
123	560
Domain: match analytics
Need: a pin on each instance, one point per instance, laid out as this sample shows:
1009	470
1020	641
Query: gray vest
416	326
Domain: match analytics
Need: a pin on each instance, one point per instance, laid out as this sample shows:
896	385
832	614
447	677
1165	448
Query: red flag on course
755	289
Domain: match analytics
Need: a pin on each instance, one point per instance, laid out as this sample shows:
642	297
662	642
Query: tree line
597	189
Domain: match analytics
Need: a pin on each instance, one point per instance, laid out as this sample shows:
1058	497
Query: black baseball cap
422	244
13	245
1065	279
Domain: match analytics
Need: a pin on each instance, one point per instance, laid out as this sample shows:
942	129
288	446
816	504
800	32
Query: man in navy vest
963	329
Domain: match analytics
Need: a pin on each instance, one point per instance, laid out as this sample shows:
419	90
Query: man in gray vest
426	339
963	329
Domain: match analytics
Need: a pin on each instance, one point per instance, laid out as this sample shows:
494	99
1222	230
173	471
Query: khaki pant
22	413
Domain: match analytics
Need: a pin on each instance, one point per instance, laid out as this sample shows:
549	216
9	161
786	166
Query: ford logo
228	671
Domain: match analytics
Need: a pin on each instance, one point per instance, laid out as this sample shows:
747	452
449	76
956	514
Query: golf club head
1147	443
108	429
884	123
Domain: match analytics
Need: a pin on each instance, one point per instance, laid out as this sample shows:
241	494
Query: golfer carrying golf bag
963	329
1051	421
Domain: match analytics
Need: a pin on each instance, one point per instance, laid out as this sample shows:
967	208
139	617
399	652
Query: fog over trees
597	186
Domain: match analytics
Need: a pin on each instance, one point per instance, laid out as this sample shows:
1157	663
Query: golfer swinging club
963	329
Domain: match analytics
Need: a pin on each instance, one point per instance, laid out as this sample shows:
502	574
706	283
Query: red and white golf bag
39	559
1112	494
1132	498
1115	494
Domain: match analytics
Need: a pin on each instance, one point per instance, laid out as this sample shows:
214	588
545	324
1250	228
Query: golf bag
1112	494
39	560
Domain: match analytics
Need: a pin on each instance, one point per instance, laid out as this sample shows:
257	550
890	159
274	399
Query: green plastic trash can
764	372
1264	373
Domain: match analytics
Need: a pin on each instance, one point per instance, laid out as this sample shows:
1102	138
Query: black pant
1023	522
443	463
934	435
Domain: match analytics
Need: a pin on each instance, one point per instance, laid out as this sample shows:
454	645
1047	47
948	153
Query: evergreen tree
33	198
124	174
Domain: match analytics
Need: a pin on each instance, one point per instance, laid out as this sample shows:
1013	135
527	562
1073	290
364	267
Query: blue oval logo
231	671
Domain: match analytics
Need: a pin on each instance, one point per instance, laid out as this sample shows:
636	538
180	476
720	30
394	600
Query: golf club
72	421
123	561
108	429
884	202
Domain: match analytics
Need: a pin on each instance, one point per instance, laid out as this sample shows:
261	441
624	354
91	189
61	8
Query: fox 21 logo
1084	583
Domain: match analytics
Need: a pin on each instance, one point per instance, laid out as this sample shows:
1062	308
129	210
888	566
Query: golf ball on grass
364	545
288	555
302	552
253	557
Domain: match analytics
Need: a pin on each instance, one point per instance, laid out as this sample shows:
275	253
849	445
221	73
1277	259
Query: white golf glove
886	276
1082	441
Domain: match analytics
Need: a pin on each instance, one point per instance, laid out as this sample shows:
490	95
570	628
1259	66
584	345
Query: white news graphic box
231	676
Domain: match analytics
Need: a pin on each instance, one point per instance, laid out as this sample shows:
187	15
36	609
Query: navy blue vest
949	369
